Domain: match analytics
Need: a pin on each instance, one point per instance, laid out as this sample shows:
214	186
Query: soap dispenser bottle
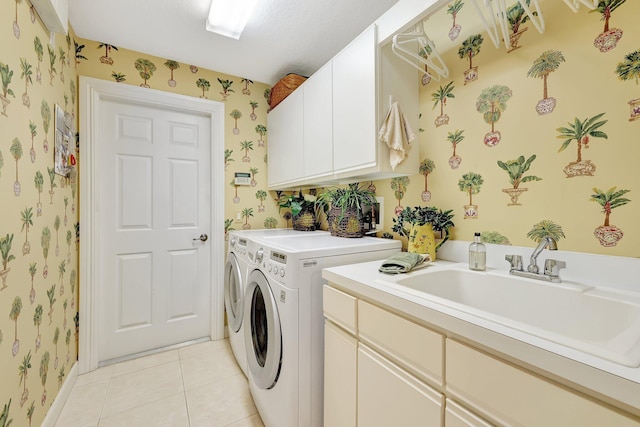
477	254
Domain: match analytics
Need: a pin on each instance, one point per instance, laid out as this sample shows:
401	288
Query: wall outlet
238	216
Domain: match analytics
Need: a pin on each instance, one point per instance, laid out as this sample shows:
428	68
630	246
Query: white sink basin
563	313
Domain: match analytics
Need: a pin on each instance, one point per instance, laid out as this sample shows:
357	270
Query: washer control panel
238	245
275	266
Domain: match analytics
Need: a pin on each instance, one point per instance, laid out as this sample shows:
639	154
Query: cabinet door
318	124
513	396
284	142
389	396
340	308
340	354
354	104
457	416
417	349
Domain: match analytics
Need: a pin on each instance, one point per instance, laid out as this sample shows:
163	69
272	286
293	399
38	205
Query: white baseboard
56	408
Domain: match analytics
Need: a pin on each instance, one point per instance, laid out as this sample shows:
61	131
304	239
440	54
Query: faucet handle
552	267
515	261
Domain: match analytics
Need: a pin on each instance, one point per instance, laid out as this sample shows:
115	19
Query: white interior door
154	204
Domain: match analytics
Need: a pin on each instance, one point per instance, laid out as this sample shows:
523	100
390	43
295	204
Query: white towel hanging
396	133
433	61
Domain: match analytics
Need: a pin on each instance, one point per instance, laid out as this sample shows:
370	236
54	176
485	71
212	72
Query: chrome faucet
551	266
545	242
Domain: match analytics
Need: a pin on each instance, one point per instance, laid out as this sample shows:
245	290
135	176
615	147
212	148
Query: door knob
202	238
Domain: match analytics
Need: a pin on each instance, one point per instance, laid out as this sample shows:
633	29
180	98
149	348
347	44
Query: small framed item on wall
65	143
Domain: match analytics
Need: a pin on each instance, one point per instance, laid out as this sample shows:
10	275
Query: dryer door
233	293
263	333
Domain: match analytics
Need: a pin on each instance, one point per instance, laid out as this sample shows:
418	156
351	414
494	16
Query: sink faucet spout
545	242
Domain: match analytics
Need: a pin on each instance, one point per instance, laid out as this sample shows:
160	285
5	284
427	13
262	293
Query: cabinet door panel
284	141
340	353
515	397
354	104
318	124
340	308
457	416
390	396
414	347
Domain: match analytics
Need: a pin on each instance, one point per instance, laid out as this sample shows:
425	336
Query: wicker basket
305	220
347	224
284	87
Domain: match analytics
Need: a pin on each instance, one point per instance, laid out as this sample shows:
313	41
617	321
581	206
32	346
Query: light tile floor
196	386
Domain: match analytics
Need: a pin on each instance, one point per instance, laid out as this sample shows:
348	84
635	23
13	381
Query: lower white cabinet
383	369
390	396
340	369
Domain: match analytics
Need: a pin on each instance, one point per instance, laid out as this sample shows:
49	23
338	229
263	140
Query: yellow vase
422	240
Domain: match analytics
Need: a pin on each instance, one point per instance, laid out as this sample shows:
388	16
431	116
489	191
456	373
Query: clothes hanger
574	5
491	24
497	18
438	68
537	20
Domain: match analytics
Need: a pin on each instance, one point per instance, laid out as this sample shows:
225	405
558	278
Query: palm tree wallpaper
548	62
629	69
562	121
39	219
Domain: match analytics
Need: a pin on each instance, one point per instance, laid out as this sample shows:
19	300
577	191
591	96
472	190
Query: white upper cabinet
285	142
335	117
354	104
318	124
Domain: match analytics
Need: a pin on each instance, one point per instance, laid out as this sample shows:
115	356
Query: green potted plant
303	210
346	214
419	224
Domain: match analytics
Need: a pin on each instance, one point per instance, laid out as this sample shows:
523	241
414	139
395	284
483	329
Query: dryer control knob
259	255
275	270
282	272
232	242
269	267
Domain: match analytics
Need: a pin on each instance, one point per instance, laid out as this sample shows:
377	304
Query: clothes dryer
235	278
283	331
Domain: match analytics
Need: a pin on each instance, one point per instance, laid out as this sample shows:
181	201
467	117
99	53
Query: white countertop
609	381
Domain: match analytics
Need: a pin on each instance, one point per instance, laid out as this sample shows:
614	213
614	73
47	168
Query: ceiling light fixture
229	17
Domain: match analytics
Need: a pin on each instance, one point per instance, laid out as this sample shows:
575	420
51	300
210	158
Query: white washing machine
241	258
283	321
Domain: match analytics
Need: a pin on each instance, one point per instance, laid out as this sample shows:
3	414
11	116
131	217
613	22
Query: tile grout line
184	388
104	399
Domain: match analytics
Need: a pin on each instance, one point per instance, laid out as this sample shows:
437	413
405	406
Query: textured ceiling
283	36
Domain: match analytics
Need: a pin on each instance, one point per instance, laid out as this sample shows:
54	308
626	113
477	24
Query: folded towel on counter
403	262
396	133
